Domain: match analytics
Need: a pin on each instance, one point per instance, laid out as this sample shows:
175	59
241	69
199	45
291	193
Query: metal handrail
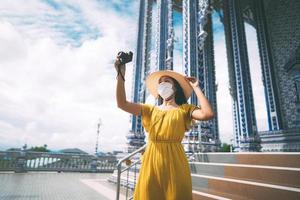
126	169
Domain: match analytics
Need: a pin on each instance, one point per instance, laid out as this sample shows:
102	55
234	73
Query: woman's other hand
193	81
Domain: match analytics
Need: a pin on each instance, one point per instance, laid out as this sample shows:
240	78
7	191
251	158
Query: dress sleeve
146	115
189	108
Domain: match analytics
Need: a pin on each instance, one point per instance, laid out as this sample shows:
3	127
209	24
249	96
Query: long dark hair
179	94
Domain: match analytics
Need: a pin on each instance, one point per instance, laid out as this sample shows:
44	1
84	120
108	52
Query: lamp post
231	144
98	132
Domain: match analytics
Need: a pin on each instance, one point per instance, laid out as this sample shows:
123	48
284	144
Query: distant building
14	149
101	154
116	152
73	151
106	157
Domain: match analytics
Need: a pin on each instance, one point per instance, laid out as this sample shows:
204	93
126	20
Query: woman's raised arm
206	112
133	108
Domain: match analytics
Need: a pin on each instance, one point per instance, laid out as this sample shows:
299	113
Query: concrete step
205	194
239	176
197	194
243	189
256	158
284	176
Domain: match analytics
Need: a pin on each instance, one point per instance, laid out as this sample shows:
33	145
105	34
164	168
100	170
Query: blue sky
57	77
69	20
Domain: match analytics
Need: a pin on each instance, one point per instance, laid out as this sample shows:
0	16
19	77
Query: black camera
125	57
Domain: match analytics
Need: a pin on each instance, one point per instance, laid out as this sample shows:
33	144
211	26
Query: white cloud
11	41
54	94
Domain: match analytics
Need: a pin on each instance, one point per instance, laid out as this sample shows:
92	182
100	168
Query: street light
231	144
98	132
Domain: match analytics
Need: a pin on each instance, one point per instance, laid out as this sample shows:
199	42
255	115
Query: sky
57	79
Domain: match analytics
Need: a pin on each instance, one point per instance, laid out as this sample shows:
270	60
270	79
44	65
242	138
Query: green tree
225	147
40	148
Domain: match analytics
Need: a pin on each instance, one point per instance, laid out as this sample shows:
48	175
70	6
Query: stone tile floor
55	186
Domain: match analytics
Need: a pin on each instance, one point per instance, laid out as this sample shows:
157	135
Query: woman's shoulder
147	106
186	105
189	107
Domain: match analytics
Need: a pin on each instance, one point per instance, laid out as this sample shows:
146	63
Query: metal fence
23	161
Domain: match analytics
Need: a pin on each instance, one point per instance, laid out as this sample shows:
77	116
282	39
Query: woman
165	172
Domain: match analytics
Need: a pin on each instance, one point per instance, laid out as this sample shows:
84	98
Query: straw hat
153	78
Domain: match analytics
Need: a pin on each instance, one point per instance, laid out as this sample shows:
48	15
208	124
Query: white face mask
165	90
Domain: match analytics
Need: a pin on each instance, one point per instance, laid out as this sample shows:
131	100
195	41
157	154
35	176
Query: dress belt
165	141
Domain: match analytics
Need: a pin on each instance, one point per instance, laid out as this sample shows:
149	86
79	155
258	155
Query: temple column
211	126
161	34
136	135
272	102
198	60
190	52
206	74
244	112
224	17
189	12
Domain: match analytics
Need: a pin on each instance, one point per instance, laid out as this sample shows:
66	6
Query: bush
39	149
225	147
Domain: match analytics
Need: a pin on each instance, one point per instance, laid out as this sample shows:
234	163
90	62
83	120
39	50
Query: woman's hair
179	94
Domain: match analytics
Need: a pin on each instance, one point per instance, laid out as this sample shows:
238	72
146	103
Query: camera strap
119	72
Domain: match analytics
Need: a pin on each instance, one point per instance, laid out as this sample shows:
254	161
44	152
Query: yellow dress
165	172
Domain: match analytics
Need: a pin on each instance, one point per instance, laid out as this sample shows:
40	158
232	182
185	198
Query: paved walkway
55	186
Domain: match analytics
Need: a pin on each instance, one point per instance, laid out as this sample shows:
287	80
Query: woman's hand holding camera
122	59
120	67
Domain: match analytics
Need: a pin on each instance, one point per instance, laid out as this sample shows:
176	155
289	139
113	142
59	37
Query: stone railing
23	161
